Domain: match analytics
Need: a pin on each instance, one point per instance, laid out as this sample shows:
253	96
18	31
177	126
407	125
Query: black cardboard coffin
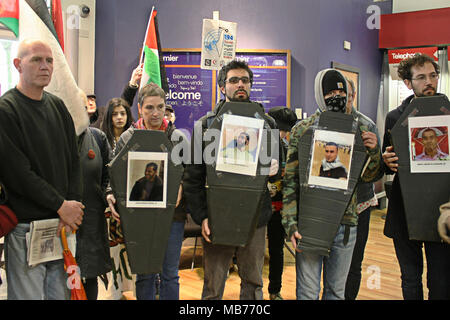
234	199
321	209
146	230
422	193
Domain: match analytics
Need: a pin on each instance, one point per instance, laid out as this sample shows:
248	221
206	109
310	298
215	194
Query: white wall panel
417	5
79	41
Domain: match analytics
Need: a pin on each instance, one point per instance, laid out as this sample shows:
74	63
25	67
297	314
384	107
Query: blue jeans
335	269
45	281
169	287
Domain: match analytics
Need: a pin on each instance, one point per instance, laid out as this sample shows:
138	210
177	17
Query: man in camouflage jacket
330	91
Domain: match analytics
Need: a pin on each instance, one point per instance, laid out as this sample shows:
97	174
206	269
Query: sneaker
275	296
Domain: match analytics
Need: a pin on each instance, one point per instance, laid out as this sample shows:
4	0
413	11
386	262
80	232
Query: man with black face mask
331	95
331	91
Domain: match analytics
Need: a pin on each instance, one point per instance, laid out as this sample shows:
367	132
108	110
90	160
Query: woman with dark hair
117	120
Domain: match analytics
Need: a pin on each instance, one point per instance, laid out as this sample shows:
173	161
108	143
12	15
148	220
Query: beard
430	149
240	146
428	91
237	98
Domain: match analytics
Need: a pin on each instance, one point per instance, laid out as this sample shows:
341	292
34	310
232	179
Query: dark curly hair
153	165
234	64
404	68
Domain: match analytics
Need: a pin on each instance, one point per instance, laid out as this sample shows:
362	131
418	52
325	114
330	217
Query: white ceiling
417	5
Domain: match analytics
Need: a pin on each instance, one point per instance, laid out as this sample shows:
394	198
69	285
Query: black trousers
275	235
91	288
410	258
354	275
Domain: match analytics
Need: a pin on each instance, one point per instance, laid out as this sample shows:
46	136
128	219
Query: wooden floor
380	270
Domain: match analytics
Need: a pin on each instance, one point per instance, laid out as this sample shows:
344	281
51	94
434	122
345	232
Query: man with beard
431	149
331	166
420	73
149	187
235	80
239	150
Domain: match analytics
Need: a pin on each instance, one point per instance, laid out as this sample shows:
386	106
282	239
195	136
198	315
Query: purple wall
314	31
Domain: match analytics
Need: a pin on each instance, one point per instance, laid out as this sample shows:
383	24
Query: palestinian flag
36	23
154	70
58	21
9	15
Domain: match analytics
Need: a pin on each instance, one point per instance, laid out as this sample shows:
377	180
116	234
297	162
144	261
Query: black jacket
395	225
138	193
195	178
92	252
336	173
129	93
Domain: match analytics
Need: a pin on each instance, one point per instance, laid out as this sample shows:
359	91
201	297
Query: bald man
40	170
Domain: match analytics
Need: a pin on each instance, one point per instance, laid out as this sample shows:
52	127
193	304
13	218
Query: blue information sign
193	91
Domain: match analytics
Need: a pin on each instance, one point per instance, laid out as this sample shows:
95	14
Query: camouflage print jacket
291	190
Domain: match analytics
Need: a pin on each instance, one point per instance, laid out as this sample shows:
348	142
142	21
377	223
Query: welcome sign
193	91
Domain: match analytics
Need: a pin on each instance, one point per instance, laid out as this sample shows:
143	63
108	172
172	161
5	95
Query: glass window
8	73
9	76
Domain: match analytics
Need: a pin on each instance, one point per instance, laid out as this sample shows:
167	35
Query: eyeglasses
423	78
235	80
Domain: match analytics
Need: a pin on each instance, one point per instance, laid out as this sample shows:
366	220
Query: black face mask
336	103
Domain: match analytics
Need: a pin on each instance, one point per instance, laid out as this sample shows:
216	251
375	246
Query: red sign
397	55
415	29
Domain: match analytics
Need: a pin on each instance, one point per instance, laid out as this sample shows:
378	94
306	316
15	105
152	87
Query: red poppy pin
91	154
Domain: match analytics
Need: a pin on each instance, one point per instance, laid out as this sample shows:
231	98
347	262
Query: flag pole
145	38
